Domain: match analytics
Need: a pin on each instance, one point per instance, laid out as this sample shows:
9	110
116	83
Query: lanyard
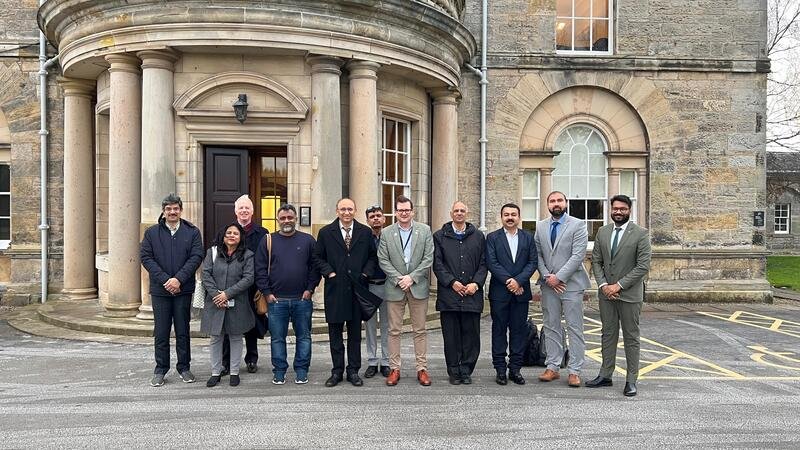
405	244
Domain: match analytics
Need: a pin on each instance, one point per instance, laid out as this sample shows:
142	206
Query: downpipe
484	82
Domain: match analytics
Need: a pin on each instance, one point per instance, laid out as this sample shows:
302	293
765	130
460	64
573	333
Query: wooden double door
230	172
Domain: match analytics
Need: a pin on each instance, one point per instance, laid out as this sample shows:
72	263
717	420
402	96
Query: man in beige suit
405	254
620	262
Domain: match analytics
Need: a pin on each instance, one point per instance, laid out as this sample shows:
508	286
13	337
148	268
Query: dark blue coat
501	266
165	256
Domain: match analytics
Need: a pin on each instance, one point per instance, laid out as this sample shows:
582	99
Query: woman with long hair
227	276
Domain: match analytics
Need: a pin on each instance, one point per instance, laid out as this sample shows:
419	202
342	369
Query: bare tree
783	83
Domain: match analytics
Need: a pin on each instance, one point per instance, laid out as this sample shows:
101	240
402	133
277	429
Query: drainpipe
484	82
44	64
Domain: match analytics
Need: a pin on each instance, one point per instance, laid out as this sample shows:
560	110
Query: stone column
124	195
613	182
641	196
79	209
546	186
326	139
365	181
444	170
158	146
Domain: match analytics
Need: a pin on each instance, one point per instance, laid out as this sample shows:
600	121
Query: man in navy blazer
511	258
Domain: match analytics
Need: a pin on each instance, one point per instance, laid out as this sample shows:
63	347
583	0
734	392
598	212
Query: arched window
580	172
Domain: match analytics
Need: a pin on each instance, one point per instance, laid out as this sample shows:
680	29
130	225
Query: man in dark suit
346	258
620	262
511	258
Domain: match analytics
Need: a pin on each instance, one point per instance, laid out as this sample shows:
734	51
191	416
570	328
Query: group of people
391	267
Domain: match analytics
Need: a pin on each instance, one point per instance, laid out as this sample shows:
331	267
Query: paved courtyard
711	376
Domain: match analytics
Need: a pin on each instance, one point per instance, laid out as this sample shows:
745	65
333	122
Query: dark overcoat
461	260
234	277
330	255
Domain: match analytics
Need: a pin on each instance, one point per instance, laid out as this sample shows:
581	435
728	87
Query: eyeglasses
402	211
374	208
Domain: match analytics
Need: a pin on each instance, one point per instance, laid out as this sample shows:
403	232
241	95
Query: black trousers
169	311
251	352
462	341
335	335
509	331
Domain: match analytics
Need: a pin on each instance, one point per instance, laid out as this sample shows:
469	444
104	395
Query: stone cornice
502	60
708	253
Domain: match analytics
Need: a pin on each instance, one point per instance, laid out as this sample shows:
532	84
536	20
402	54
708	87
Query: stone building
783	200
661	100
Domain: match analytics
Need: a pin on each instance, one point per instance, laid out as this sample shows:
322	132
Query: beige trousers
418	309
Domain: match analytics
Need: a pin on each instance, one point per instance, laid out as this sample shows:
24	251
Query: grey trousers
216	353
371	331
570	304
614	313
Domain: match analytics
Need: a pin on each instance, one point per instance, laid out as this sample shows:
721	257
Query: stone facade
783	188
678	102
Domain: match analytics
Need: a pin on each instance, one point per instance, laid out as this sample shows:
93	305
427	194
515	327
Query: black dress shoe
516	377
466	379
355	380
333	380
371	371
630	390
599	382
252	367
455	381
385	371
501	379
225	371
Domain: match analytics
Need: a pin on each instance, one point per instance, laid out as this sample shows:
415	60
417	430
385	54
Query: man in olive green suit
620	262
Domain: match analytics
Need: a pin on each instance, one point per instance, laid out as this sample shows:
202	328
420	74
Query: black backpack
535	351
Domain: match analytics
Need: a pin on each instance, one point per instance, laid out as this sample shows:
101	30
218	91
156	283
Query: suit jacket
630	264
565	258
502	267
391	261
330	255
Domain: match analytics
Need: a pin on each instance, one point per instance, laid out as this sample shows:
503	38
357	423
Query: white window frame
388	210
537	199
783	218
572	17
4	243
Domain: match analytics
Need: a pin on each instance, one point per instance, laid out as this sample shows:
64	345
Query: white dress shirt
513	243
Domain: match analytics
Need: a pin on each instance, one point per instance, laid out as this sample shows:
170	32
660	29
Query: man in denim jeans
286	275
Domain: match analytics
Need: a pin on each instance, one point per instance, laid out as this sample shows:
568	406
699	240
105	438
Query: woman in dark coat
227	276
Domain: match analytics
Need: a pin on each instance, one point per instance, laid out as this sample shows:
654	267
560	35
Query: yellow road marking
775	325
758	321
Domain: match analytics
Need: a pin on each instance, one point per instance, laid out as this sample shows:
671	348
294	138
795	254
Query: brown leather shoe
574	380
549	375
393	378
423	377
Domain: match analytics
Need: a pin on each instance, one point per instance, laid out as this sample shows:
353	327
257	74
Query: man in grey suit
561	242
405	254
620	262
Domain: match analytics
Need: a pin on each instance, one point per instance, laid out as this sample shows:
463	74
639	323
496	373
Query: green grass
784	271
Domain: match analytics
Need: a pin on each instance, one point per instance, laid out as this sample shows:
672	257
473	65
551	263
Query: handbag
259	299
199	294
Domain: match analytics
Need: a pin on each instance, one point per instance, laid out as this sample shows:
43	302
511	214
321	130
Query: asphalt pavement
712	376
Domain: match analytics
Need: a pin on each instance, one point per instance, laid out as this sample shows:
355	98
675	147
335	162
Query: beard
287	228
620	219
557	212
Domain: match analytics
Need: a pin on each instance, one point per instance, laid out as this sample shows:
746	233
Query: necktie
614	242
347	238
553	228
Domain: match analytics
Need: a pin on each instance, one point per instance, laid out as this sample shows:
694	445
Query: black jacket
165	256
458	260
330	255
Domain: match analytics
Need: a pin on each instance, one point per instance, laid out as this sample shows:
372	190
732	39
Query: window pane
582	8
592	228
530	184
597	187
564	7
594	209
389	134
595	144
599	8
580	160
5	205
389	173
579	187
627	183
5	229
577	209
280	167
529	225
597	165
401	136
561	183
580	134
582	37
530	209
561	163
401	168
5	178
388	203
600	35
564	34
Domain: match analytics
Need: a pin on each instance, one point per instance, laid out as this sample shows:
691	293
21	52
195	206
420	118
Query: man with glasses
345	256
376	220
406	254
285	274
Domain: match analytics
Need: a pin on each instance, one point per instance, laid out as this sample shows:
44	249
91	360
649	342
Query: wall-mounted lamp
240	108
305	216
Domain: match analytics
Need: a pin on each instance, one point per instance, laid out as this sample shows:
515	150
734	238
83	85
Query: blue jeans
280	313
